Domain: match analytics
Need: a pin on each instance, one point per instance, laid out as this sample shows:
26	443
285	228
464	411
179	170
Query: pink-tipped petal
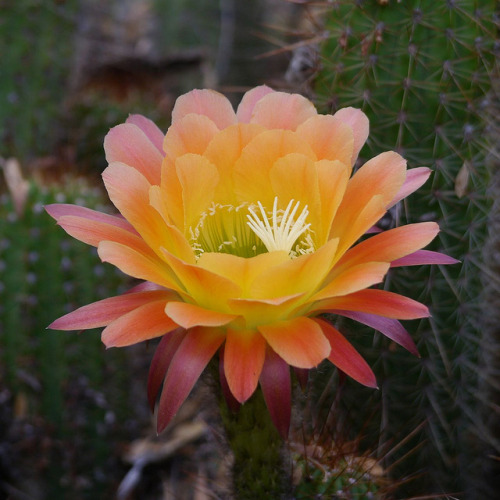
299	341
58	210
143	323
360	125
244	354
137	264
294	109
105	311
127	143
189	361
164	353
153	133
205	102
189	315
391	328
276	389
422	257
345	357
379	302
390	245
231	401
248	102
415	178
92	233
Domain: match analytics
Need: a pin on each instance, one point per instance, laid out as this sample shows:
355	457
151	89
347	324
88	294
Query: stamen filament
283	233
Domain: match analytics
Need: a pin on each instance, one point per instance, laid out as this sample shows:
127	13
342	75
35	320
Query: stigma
280	230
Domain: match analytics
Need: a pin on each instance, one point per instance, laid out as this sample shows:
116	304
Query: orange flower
242	226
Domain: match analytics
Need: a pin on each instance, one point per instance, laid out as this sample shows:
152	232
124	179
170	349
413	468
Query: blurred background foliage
74	421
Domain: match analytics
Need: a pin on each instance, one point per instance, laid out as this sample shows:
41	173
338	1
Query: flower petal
259	311
391	328
294	177
207	289
105	311
330	138
299	341
198	178
58	210
248	102
231	402
276	389
278	110
137	264
244	354
251	170
359	124
303	274
205	102
153	133
353	279
345	357
191	134
360	206
143	323
333	177
189	361
92	233
223	151
189	315
415	178
379	302
391	245
128	189
130	192
164	353
422	257
127	143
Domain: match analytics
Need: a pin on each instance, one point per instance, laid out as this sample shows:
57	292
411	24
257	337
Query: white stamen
284	232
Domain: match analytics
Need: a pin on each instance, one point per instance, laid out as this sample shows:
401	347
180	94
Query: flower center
285	231
249	230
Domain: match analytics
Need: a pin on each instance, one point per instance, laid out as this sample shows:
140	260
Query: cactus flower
245	227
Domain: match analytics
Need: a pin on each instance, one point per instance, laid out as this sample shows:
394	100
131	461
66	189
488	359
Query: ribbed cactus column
422	70
260	469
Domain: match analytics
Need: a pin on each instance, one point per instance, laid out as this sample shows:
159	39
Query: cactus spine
422	71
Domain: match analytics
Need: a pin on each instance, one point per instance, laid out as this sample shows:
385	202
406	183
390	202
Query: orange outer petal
244	354
189	315
207	289
143	323
345	357
137	264
391	245
93	232
189	361
329	138
353	279
299	341
359	124
379	302
105	311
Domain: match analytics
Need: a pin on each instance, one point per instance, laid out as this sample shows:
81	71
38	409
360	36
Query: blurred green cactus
422	71
43	275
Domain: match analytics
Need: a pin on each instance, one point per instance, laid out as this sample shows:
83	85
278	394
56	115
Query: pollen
280	230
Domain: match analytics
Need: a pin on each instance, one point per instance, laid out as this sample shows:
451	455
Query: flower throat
249	230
